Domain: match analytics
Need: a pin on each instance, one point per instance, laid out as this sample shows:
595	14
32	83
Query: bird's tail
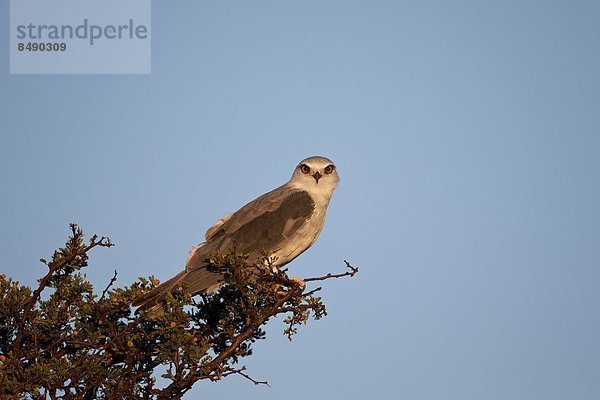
152	301
195	281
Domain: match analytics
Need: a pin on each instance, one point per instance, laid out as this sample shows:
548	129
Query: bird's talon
299	281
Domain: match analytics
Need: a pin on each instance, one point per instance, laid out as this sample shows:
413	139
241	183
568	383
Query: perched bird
281	224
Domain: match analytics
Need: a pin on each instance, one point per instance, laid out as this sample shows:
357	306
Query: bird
280	224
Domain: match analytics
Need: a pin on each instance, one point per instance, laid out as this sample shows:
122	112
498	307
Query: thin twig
312	292
112	280
352	271
240	371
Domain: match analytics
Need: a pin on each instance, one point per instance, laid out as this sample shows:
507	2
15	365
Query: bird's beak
317	176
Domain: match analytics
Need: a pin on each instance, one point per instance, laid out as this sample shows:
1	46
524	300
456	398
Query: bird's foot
299	281
279	290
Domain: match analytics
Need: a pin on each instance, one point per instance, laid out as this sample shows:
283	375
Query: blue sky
467	138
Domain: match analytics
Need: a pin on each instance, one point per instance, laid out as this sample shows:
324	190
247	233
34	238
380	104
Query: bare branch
240	371
112	280
352	271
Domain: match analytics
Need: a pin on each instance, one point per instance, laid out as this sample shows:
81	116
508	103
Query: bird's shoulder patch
298	204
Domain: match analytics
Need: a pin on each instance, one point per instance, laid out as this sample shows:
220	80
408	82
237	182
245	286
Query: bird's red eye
329	169
304	168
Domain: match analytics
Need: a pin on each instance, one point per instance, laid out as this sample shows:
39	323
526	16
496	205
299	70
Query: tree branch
352	271
239	371
53	267
112	281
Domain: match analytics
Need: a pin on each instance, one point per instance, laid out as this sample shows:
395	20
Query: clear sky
467	137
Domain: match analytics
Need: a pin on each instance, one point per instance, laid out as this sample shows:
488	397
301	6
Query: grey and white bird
282	224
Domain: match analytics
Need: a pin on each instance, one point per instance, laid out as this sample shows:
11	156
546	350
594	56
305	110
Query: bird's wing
215	228
260	226
268	202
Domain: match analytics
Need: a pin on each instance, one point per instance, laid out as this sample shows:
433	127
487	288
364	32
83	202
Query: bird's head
316	175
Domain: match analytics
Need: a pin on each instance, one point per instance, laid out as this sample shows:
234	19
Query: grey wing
260	226
268	202
215	228
266	226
